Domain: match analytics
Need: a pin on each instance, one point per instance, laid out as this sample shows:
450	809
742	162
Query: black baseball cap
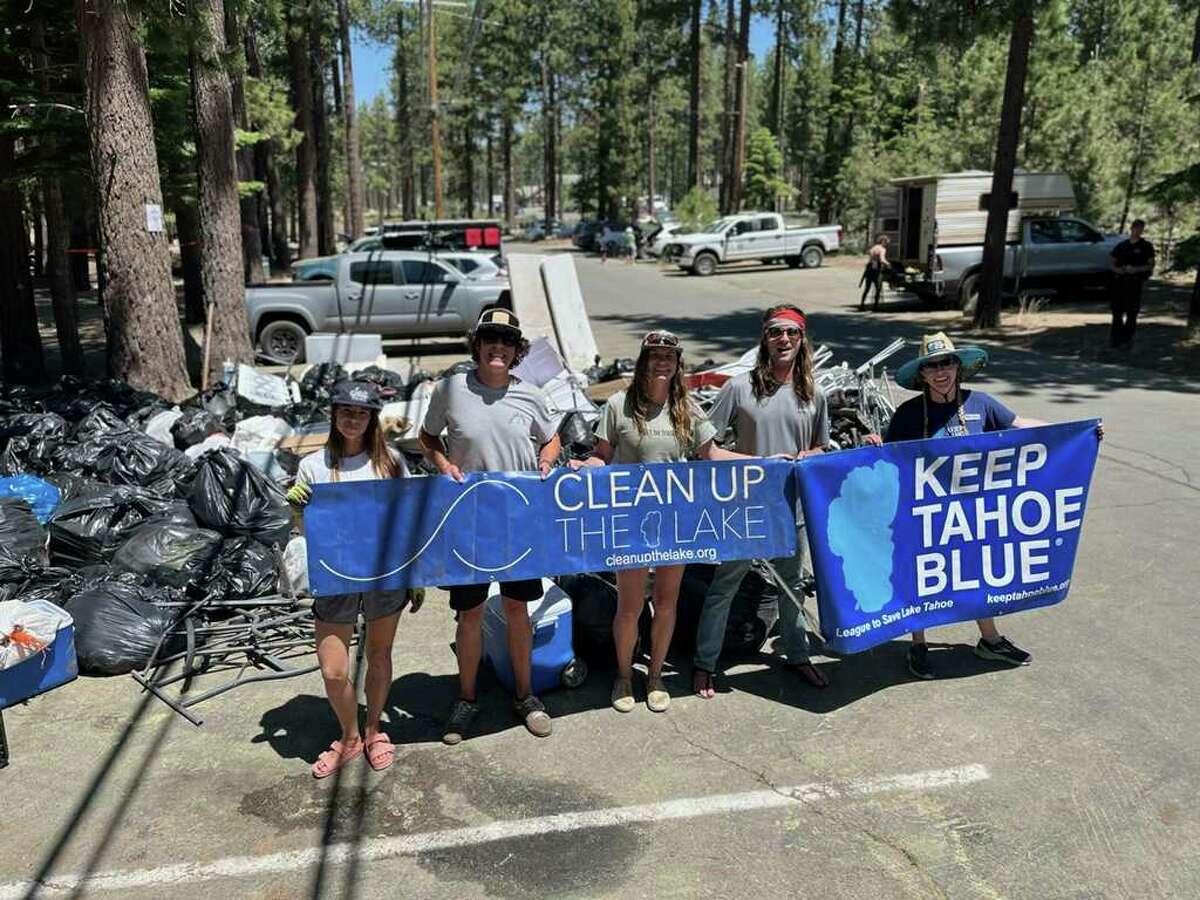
497	319
357	393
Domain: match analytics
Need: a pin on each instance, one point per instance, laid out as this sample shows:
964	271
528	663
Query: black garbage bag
95	575
169	554
32	442
194	426
466	365
244	569
139	417
577	436
220	402
117	630
101	420
21	535
306	412
392	385
73	486
611	372
133	458
89	530
593	605
233	497
20	574
317	383
17	398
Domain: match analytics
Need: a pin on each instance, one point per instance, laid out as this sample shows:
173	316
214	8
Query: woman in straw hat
947	409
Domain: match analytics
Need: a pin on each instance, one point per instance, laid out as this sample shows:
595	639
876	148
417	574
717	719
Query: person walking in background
356	451
1132	264
655	420
630	244
495	422
872	276
776	409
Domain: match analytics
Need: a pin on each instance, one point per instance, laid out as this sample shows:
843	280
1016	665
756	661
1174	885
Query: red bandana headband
778	317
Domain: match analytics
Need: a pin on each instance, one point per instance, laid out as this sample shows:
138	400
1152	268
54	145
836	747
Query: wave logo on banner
924	533
434	531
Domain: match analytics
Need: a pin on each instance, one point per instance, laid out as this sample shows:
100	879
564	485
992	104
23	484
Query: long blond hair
377	449
679	400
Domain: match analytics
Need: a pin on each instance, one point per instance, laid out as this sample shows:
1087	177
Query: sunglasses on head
507	338
790	330
661	339
946	362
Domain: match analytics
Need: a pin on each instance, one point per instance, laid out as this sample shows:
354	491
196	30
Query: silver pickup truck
1052	254
395	293
759	235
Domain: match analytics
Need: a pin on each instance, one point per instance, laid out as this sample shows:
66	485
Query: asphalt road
1077	776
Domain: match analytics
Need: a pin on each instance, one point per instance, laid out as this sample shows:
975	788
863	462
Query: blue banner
923	533
507	526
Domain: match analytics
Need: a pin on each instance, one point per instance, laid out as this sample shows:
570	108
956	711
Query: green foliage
763	165
695	209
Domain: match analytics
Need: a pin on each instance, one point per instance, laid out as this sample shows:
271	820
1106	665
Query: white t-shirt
315	468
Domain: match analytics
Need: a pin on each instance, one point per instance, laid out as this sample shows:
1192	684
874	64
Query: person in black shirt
1132	263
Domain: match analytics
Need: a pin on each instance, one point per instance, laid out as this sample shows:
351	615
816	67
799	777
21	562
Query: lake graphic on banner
507	526
923	533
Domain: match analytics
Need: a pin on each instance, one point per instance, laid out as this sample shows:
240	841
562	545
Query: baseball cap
498	319
356	393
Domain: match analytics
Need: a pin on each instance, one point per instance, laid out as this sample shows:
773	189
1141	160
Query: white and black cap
357	393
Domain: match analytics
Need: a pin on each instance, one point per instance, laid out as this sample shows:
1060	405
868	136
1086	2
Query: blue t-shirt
982	413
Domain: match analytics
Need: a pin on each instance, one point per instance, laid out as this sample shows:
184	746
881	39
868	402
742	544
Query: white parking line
413	844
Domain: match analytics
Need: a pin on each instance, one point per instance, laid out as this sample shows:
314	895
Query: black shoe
1002	650
918	662
461	715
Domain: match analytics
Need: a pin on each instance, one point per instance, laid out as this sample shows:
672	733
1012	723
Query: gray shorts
343	609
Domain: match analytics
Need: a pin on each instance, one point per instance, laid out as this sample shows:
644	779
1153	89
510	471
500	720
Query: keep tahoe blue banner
409	532
923	533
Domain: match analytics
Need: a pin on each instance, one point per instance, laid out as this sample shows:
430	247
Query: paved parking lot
1075	777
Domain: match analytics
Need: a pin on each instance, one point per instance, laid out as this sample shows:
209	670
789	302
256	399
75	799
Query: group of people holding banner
486	419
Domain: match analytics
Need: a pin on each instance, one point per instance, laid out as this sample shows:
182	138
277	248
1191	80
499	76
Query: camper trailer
936	223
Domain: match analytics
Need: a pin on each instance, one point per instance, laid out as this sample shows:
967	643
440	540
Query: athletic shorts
343	609
468	596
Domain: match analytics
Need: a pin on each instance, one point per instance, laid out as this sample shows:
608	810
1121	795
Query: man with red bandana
775	409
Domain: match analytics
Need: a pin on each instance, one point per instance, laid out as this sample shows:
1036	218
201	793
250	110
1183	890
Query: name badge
971	417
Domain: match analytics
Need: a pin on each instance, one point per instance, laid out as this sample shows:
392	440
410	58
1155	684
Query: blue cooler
42	671
553	651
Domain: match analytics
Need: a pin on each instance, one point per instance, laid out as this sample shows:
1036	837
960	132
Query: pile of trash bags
133	513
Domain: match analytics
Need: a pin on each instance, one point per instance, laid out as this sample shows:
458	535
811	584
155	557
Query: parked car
754	235
537	230
936	225
658	238
395	293
323	268
477	265
586	234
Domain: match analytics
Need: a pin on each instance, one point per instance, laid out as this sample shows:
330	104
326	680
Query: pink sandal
380	752
334	758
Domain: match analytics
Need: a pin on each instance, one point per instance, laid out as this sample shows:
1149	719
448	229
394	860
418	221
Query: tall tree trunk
265	171
776	108
306	150
354	181
248	207
141	318
82	241
39	235
187	226
63	300
832	157
326	239
741	90
1196	41
991	279
218	206
510	187
1139	137
693	158
548	143
404	124
20	342
860	13
651	173
727	115
468	173
491	174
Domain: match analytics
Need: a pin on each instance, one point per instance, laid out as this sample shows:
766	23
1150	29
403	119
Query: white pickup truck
754	235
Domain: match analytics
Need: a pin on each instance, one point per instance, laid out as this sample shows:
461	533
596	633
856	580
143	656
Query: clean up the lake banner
408	532
922	533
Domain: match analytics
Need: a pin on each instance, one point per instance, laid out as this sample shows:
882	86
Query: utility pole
435	132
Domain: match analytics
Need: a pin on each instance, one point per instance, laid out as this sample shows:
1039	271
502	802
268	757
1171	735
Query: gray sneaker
532	712
462	713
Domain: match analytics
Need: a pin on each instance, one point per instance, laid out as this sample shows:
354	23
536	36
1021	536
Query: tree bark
326	242
141	318
265	171
491	174
739	134
80	218
693	158
252	244
39	235
354	181
776	109
221	271
187	227
548	142
510	187
833	154
20	342
727	118
991	279
408	199
306	152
